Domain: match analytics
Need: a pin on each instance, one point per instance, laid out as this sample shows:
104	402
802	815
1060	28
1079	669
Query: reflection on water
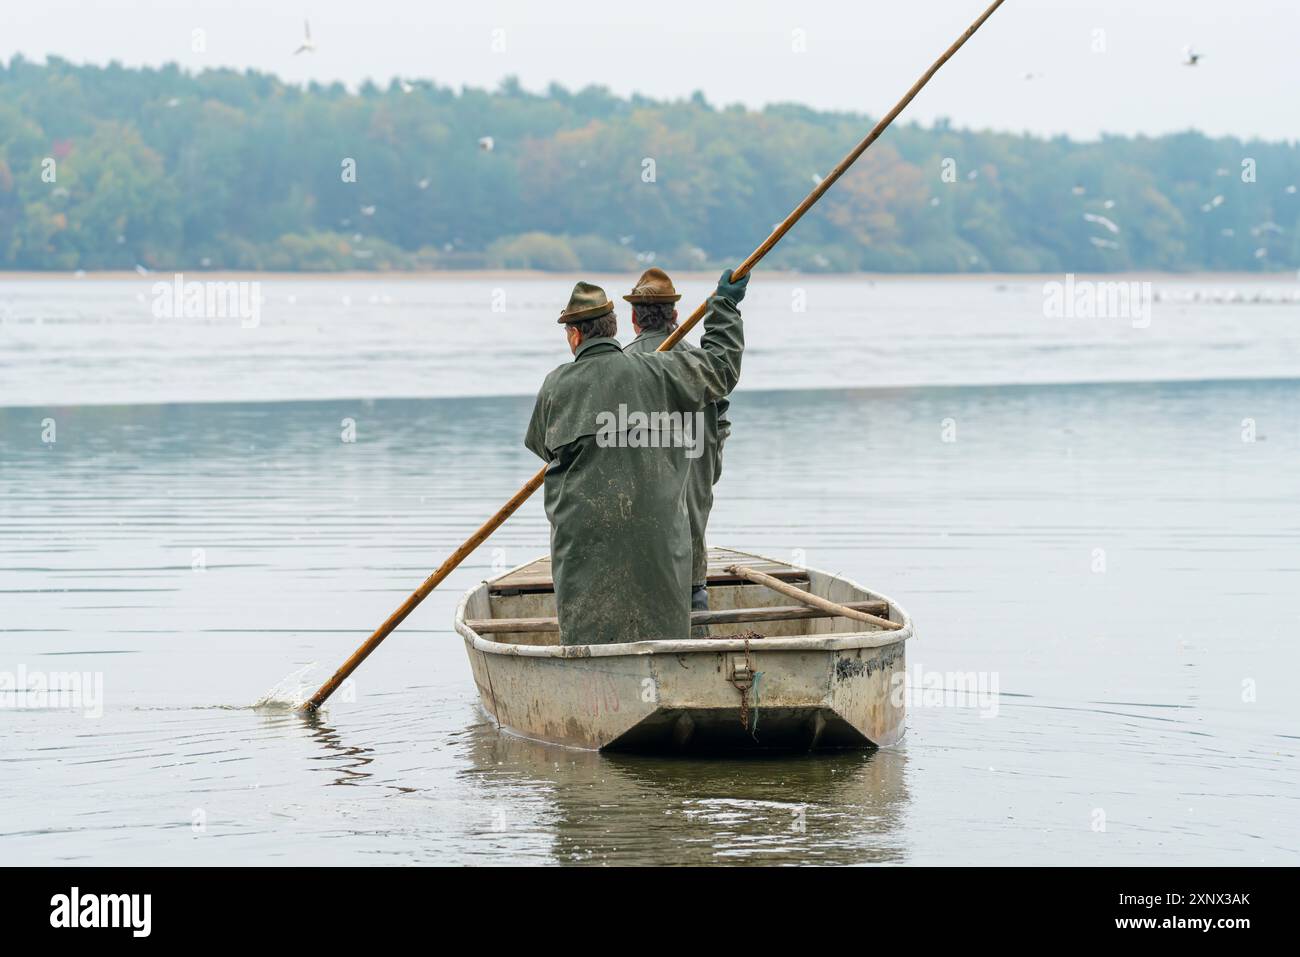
638	809
1117	556
347	764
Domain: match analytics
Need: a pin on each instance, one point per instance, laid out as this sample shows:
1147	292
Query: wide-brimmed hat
587	302
653	286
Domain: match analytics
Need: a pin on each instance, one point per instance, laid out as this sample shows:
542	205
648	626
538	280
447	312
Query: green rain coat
705	470
616	487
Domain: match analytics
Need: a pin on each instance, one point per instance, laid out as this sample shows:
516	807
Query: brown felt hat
587	302
653	286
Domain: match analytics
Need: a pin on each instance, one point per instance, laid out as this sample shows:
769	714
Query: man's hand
733	289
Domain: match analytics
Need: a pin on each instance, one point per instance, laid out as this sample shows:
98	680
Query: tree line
108	167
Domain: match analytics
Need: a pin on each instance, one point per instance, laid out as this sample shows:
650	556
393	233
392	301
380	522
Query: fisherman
654	317
618	431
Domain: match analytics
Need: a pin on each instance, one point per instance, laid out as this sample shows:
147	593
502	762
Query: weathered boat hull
823	688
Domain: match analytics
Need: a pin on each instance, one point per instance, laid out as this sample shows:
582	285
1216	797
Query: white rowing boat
771	672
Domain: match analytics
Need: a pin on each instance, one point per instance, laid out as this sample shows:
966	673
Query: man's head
580	332
589	315
654	317
653	301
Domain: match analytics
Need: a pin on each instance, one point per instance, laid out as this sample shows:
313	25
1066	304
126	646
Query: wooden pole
533	484
421	593
808	598
785	225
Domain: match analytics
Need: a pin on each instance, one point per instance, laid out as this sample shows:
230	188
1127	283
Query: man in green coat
620	433
654	317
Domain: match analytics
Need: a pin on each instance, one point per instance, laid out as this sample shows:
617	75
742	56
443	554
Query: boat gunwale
837	641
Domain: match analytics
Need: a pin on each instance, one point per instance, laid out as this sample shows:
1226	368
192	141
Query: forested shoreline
117	168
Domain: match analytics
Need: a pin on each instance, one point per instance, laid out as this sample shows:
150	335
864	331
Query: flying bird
1101	221
1190	56
308	44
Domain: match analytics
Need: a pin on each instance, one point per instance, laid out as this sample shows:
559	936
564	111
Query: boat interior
519	607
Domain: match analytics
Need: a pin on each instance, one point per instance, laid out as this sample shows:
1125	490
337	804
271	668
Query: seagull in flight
1190	56
1101	221
308	44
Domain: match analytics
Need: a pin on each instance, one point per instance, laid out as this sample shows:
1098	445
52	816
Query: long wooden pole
788	223
811	600
534	483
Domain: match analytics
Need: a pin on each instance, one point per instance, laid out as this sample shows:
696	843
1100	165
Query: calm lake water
1102	537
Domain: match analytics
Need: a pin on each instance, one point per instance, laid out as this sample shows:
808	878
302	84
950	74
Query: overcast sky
1101	66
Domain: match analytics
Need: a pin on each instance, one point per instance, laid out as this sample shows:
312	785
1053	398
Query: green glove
733	289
